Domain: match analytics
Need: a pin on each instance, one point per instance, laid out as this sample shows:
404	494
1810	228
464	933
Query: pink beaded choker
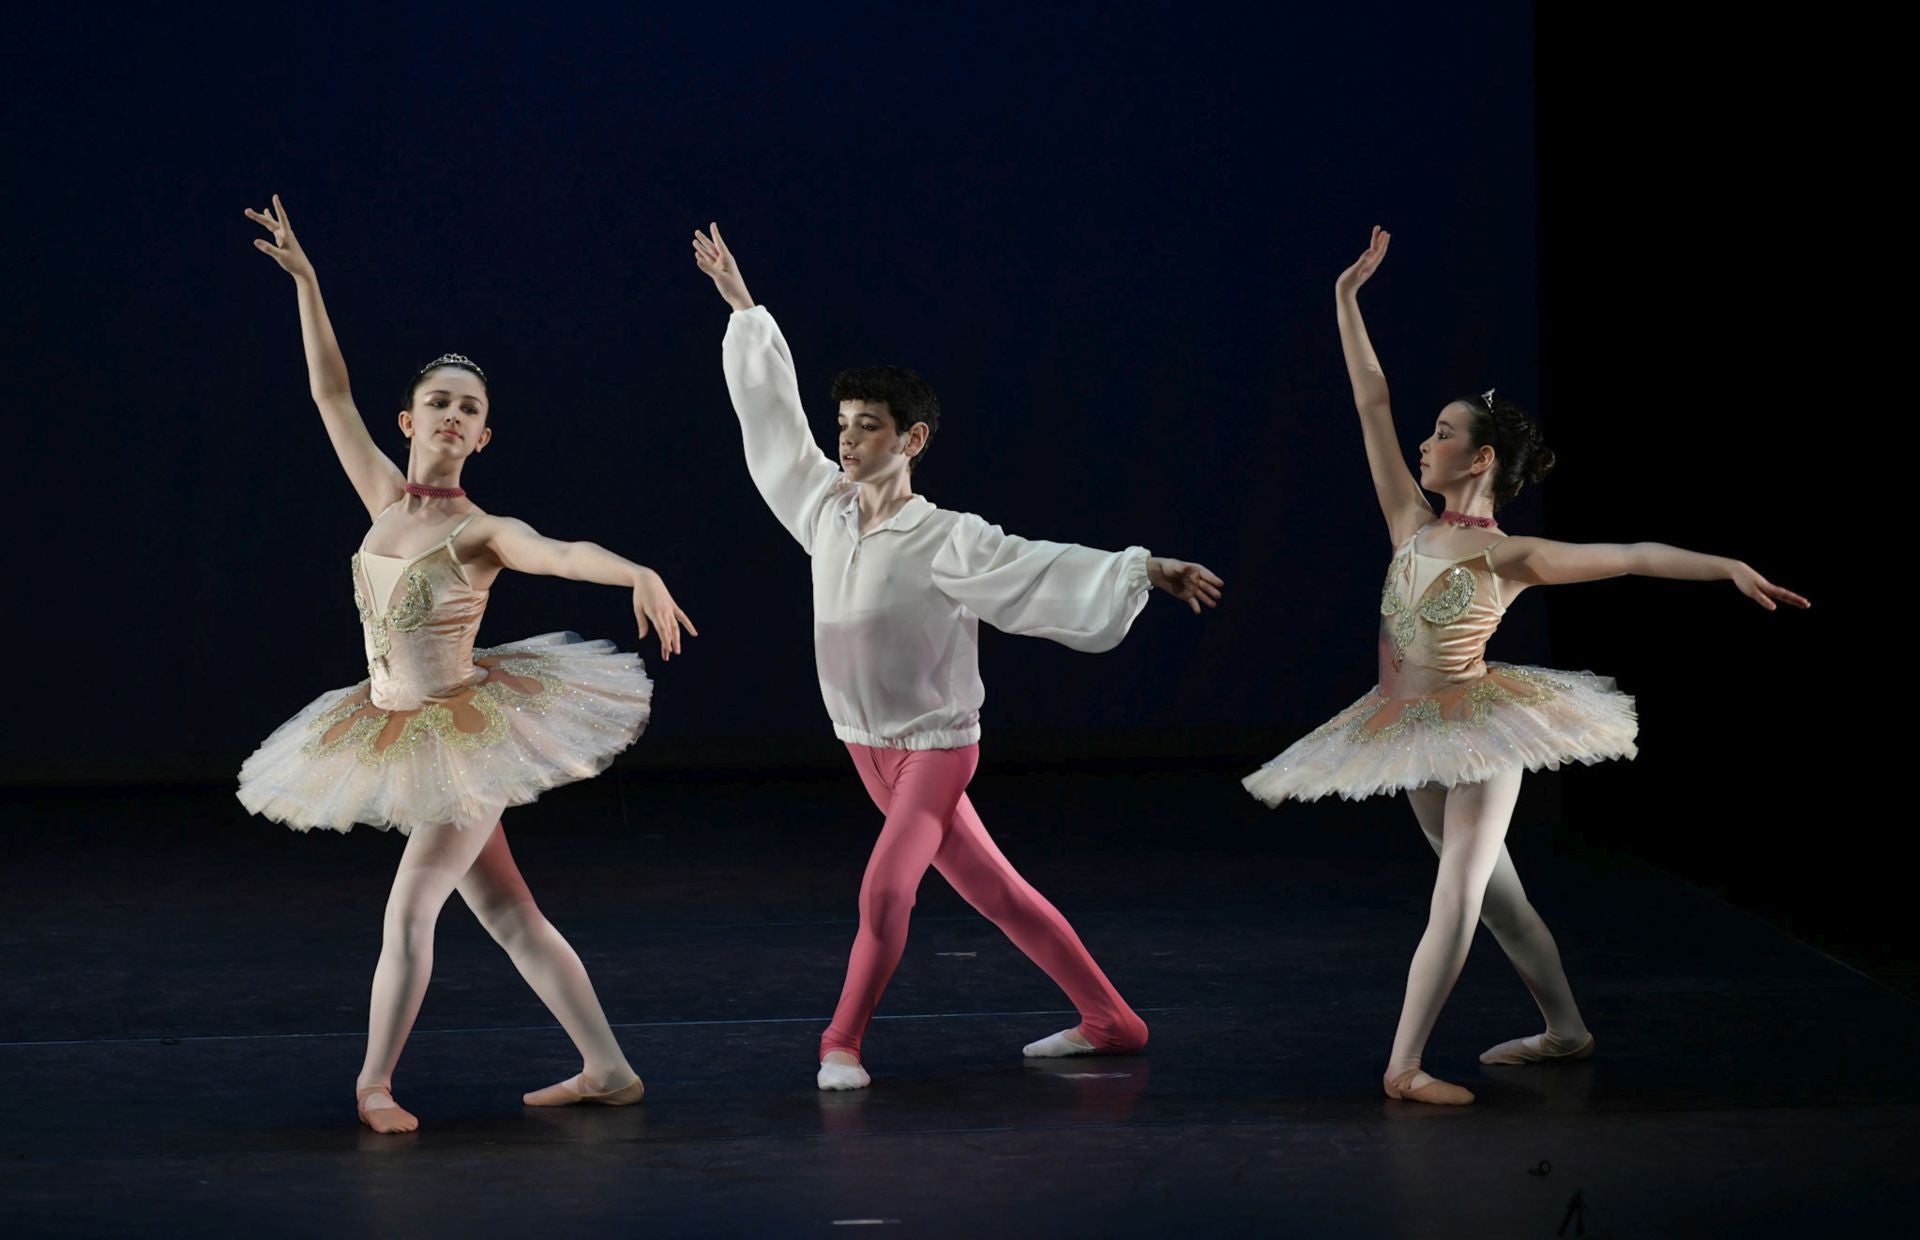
426	492
1460	518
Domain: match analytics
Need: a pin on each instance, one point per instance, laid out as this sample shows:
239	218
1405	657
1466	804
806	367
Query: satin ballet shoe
837	1076
395	1118
1074	1041
1522	1050
578	1089
1436	1092
1060	1045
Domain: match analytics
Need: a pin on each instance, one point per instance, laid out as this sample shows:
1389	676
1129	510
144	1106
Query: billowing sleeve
793	475
1075	595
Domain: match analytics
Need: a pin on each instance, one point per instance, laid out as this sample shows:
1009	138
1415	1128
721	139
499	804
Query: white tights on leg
474	860
1510	917
431	867
1473	831
499	898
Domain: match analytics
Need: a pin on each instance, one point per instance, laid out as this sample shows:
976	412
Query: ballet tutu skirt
540	713
1512	718
1441	714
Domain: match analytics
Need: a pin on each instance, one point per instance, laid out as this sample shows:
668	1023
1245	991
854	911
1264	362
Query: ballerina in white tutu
1452	731
440	738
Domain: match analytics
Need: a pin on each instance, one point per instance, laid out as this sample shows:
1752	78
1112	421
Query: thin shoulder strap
453	555
1493	575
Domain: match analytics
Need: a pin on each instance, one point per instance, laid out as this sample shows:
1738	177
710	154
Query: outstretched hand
285	247
653	606
713	257
1192	584
1369	262
1764	592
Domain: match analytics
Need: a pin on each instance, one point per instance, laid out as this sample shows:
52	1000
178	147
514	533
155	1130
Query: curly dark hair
1520	452
443	362
907	396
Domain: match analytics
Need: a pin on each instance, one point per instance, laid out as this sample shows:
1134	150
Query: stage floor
185	1004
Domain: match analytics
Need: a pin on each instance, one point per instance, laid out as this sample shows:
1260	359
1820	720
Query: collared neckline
911	514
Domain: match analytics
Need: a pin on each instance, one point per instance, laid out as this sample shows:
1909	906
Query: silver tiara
1486	396
455	359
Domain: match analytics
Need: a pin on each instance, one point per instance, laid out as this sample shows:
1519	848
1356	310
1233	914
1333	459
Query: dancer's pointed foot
1060	1045
578	1089
380	1112
839	1070
1413	1085
1540	1048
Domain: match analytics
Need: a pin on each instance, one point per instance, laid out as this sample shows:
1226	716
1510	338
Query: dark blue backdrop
1107	233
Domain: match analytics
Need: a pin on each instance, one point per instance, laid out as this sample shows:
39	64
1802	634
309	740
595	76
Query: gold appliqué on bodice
1457	587
408	613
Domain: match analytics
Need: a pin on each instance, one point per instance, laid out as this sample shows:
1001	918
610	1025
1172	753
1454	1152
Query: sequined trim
1454	600
1401	625
1449	605
1390	601
492	698
1426	712
415	605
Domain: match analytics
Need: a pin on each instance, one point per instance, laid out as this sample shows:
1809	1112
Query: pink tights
929	821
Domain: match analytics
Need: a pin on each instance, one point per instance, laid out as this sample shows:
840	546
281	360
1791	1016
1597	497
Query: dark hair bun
1520	451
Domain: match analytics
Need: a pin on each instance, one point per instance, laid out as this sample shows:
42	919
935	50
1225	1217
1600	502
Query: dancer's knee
885	908
1453	911
1509	919
408	930
510	922
996	898
412	910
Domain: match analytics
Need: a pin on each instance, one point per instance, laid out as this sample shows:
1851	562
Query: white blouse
896	611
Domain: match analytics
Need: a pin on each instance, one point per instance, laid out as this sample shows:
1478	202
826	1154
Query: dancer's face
1447	457
449	414
871	447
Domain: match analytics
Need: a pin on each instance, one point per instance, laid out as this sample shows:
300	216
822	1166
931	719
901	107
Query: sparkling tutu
1441	714
551	710
1524	718
440	732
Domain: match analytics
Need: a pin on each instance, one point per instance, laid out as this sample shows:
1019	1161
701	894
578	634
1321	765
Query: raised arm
516	545
712	256
1401	501
793	475
376	479
1540	561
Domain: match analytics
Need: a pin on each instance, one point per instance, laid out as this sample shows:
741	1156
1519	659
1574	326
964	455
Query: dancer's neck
883	497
